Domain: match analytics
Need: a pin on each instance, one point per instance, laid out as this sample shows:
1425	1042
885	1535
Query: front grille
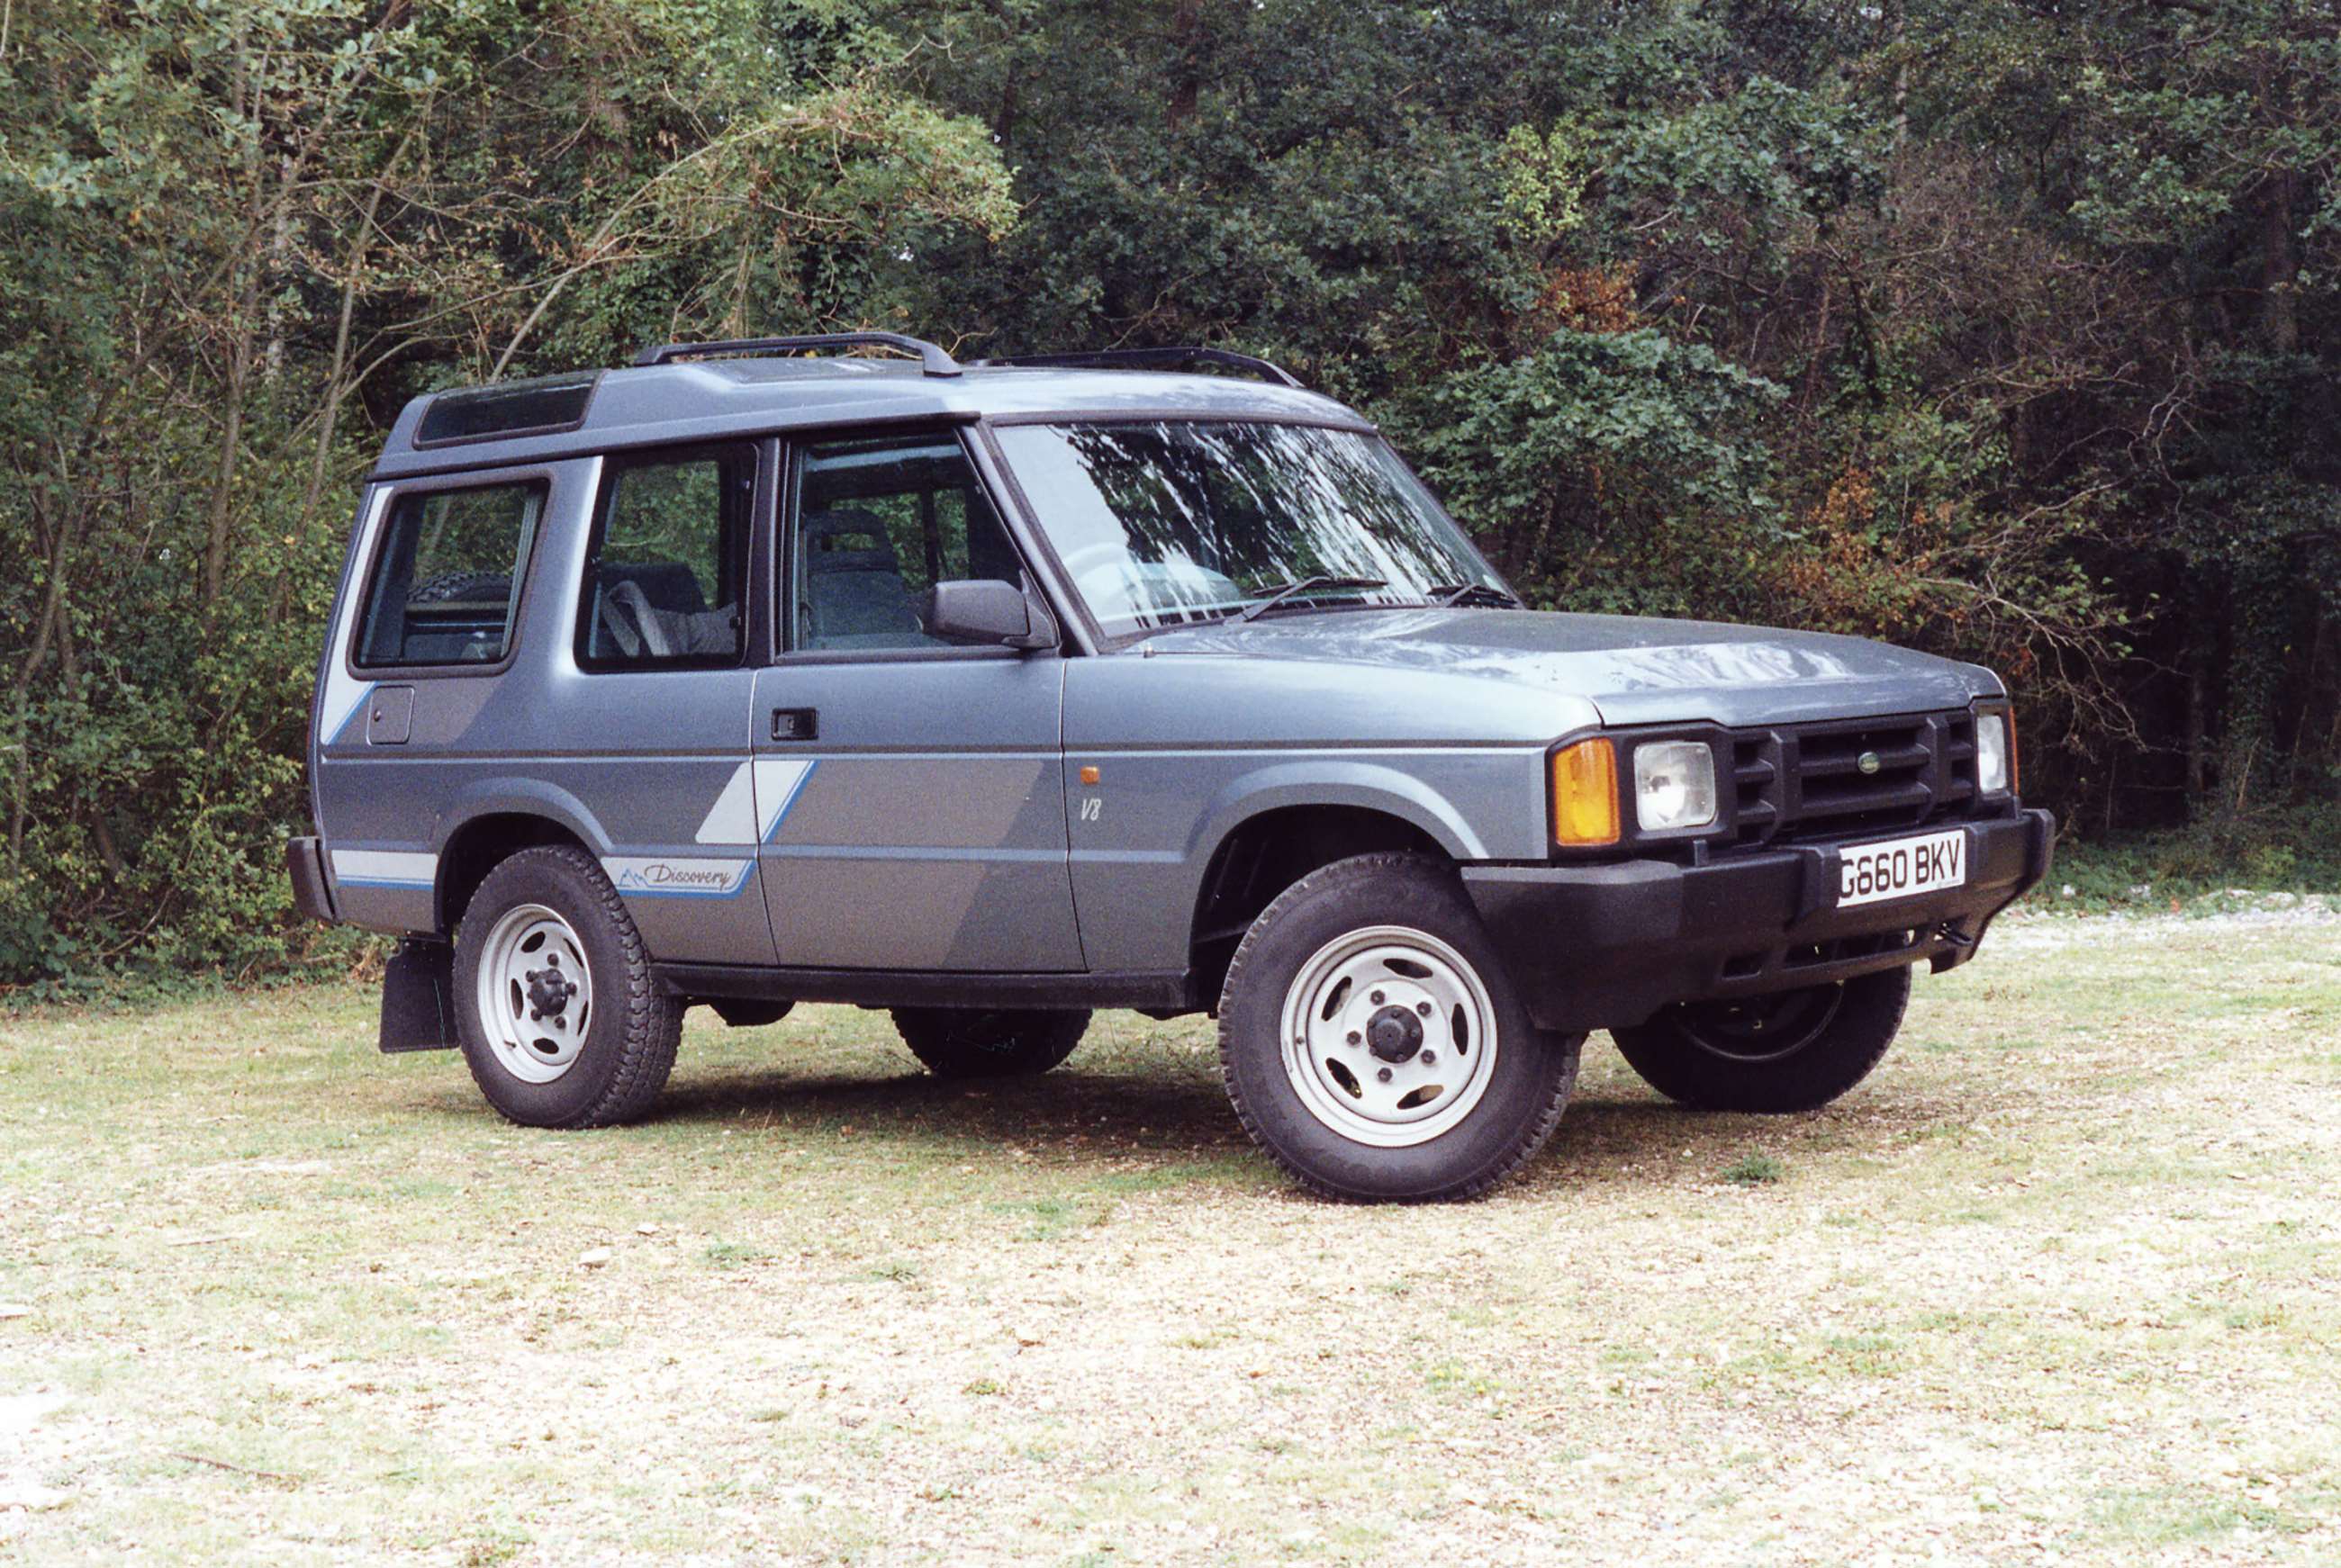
1799	782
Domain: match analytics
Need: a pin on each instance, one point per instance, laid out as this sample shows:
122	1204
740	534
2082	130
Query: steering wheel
1105	574
1090	562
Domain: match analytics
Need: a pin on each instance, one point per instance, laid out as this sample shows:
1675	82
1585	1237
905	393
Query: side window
878	523
669	554
446	584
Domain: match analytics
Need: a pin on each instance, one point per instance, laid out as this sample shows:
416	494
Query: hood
1633	670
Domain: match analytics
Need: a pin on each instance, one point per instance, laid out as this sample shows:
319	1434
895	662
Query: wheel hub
1394	1035
534	992
1389	1036
549	990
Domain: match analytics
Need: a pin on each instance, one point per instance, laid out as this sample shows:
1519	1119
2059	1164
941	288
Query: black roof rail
1144	359
932	359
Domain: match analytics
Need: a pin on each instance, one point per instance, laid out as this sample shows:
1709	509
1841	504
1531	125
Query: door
909	792
647	720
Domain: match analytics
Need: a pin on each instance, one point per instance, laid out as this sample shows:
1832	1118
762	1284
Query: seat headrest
667	585
847	539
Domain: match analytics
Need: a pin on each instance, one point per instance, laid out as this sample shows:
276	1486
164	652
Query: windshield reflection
1166	524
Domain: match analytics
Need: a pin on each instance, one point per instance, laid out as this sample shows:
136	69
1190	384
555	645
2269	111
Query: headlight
1674	784
1585	794
1995	754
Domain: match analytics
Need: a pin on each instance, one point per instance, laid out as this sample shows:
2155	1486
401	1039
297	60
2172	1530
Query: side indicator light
1585	794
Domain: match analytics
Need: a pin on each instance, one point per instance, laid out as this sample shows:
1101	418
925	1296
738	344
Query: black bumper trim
313	895
1596	947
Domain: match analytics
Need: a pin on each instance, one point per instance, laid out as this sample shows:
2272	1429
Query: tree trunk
2279	264
2198	751
221	512
1186	64
336	376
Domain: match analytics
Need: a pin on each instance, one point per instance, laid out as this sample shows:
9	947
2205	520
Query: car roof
715	398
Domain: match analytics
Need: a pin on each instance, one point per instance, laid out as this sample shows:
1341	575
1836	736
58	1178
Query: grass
2063	1277
1754	1170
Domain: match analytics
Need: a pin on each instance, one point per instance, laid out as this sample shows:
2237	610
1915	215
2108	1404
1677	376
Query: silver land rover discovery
760	673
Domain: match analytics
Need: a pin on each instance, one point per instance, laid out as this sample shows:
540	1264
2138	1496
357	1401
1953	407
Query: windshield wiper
1445	594
1306	585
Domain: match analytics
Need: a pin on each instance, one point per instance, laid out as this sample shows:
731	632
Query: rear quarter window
447	579
670	554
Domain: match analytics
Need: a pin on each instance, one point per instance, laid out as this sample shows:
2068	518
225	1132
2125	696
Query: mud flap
418	998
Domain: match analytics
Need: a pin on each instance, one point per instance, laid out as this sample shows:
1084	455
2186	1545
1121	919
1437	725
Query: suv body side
916	822
608	759
1081	824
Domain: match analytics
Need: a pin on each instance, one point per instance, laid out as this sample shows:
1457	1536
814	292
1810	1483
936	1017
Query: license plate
1901	867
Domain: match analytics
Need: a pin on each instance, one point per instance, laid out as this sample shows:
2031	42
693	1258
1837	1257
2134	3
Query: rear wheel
1372	1045
1788	1051
563	1023
990	1042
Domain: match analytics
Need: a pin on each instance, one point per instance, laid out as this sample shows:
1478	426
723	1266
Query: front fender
1332	781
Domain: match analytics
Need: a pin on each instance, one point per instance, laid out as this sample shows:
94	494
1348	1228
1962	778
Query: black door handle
796	723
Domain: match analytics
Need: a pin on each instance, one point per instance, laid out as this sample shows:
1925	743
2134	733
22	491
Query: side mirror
982	610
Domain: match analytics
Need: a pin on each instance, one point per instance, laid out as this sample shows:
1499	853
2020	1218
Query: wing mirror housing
986	612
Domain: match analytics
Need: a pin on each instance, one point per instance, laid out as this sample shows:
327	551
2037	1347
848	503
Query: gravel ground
2057	1285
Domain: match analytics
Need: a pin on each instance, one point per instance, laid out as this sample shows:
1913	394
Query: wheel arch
487	825
1336	784
1262	853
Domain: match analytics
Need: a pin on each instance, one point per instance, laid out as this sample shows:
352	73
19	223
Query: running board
1168	991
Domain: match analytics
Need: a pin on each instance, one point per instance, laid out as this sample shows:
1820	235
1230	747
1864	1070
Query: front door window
880	522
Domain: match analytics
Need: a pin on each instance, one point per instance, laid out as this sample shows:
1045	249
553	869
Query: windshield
1164	524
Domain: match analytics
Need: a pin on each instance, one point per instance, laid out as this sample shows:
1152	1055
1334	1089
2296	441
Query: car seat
853	595
655	609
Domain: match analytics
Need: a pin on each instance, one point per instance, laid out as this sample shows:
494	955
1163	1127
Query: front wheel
1788	1051
1373	1045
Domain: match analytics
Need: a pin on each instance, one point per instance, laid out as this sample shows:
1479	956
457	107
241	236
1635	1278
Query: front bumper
1597	947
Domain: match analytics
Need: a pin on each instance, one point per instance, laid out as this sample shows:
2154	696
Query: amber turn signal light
1585	794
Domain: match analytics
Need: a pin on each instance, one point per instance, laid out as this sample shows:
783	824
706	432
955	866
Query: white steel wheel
1388	1037
535	992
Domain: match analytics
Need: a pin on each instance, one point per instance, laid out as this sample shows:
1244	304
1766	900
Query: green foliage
1544	177
1537	454
1754	1170
240	235
2012	335
2294	849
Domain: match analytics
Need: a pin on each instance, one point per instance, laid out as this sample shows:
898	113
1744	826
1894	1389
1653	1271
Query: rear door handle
796	723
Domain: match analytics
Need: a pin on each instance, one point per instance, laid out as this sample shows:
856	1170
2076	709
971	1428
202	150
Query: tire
601	1053
1821	1041
459	586
990	1042
1413	1074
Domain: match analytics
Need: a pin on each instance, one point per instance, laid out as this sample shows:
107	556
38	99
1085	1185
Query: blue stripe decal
796	789
334	732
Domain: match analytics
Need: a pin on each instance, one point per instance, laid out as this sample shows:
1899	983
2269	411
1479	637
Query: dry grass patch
2060	1280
